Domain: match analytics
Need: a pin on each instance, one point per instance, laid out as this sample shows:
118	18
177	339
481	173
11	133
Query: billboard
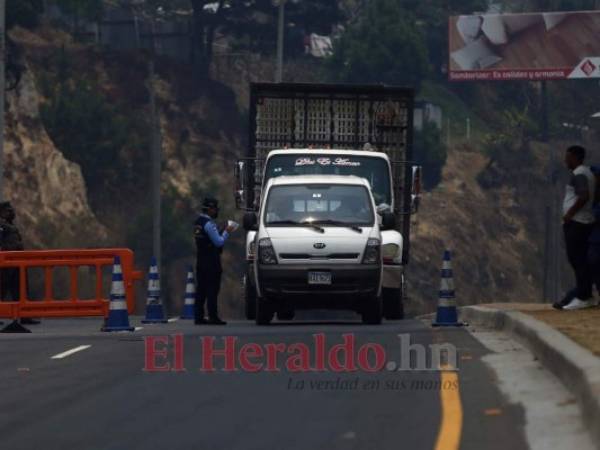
534	46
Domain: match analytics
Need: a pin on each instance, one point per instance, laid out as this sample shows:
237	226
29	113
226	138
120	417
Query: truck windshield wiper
338	223
293	222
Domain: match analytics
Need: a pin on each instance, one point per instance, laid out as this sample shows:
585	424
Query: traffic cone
118	318
154	307
447	315
190	296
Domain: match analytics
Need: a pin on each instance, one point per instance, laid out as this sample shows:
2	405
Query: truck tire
372	312
249	299
264	312
286	314
393	303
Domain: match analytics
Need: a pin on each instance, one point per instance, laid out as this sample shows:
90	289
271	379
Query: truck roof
327	151
318	179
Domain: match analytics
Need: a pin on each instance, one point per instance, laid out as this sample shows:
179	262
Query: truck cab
318	241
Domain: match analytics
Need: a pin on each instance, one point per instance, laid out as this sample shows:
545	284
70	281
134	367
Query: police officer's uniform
10	240
209	246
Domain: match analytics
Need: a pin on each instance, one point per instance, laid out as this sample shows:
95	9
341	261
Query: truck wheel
264	312
372	312
286	314
249	299
393	303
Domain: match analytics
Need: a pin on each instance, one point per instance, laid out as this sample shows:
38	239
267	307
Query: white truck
327	130
318	245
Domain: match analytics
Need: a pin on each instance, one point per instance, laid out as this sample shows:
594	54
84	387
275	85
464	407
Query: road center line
70	352
452	415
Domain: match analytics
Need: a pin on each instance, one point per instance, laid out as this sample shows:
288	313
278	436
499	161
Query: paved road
99	397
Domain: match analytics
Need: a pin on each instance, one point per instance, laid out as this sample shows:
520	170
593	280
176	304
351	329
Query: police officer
10	240
209	246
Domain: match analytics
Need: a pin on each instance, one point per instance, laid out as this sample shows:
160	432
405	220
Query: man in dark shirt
11	241
578	222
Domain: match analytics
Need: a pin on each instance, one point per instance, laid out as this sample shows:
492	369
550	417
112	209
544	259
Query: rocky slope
483	211
47	190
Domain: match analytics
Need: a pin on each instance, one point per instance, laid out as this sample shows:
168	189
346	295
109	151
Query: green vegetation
83	9
23	13
92	131
384	45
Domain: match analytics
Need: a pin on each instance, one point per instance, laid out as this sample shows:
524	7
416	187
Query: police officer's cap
210	202
5	205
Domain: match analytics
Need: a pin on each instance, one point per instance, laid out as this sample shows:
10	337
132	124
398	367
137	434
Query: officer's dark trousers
207	291
576	240
9	285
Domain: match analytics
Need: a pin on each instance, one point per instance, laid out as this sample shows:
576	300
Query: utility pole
2	90
280	38
468	129
156	168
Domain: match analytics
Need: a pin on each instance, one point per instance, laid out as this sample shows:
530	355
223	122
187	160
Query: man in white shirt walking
578	222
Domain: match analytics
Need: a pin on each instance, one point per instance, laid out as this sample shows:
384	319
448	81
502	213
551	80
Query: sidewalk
565	342
581	326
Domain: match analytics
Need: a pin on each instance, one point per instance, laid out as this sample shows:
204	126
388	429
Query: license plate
319	277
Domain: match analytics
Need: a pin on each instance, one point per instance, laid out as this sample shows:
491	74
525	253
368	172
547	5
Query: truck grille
319	257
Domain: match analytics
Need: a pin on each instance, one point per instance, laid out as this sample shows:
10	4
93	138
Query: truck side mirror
250	221
240	176
388	221
417	177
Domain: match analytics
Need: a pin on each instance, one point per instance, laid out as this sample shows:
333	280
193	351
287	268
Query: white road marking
173	319
138	328
70	352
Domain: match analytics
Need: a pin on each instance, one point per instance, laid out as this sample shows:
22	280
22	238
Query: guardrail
73	306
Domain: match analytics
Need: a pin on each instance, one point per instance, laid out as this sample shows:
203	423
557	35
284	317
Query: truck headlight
389	252
372	252
266	252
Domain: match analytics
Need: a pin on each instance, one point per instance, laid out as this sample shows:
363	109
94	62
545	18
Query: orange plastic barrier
74	306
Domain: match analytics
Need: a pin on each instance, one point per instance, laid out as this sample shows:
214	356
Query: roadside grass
581	326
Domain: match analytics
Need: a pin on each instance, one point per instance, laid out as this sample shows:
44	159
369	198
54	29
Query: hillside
481	210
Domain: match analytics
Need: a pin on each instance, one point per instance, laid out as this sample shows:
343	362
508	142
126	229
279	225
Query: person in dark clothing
594	241
10	240
578	223
209	246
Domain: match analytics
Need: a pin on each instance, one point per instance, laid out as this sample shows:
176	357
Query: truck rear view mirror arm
388	221
250	221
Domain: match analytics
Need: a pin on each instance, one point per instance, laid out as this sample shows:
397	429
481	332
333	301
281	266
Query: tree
24	13
83	9
250	24
384	45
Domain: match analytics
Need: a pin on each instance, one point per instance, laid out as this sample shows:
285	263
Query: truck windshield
318	204
374	170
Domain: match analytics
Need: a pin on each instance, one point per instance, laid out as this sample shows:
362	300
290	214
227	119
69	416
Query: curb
576	367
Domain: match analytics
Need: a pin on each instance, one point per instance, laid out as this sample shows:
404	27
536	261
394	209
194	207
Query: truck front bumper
350	284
